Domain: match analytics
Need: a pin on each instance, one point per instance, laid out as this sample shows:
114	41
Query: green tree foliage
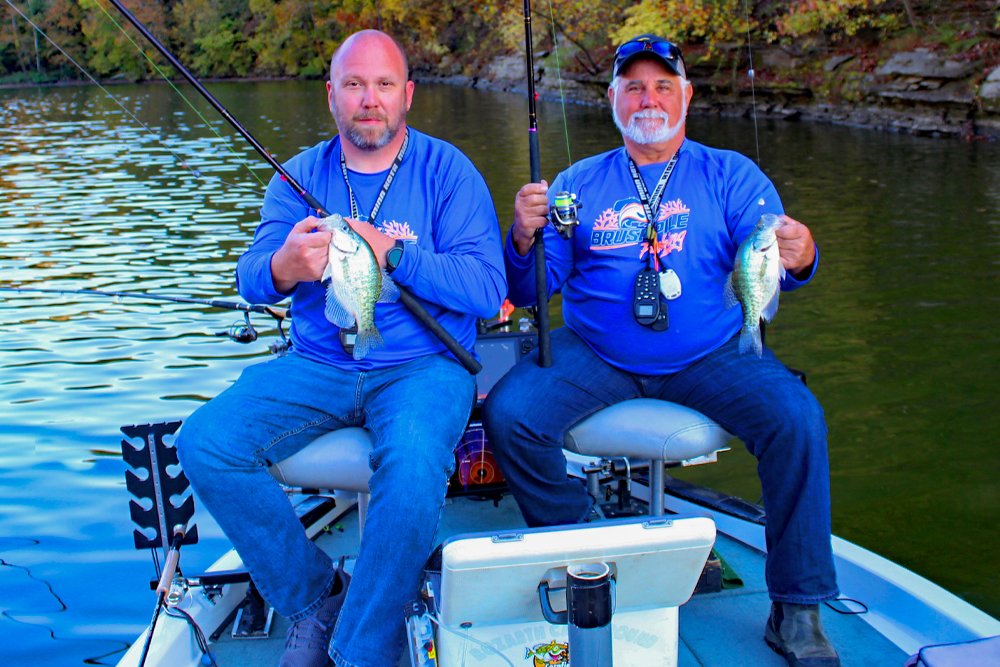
835	18
295	38
589	27
699	22
27	54
114	51
209	36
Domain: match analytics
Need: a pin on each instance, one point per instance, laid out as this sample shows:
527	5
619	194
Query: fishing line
847	611
180	159
562	97
156	562
178	91
199	634
411	302
468	637
750	74
274	311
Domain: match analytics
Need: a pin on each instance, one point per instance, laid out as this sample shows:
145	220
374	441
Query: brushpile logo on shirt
398	230
553	654
624	226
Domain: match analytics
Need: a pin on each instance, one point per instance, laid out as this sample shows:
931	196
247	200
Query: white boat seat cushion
647	428
337	460
641	428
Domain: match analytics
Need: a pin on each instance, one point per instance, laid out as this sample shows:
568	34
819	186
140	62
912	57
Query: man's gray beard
363	140
640	135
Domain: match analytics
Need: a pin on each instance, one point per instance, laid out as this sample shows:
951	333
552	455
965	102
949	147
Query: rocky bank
919	91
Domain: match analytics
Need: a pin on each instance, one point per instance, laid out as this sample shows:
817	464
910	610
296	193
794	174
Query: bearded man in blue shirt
429	220
667	202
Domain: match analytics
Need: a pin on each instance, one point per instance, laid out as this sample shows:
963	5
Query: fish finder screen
498	355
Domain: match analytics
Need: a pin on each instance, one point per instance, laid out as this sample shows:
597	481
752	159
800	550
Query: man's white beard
642	135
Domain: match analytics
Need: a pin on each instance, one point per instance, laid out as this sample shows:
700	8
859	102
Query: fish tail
750	340
367	340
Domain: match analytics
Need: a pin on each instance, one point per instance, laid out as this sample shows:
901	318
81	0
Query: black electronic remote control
646	302
648	308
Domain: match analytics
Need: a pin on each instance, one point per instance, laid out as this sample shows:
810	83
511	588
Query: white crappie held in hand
755	280
356	284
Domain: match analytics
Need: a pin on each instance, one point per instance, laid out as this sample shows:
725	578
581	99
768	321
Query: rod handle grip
170	565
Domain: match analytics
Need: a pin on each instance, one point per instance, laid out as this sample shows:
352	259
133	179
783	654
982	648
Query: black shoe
795	633
307	640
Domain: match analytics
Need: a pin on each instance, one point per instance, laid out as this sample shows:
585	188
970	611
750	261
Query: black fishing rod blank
412	304
277	313
244	333
541	284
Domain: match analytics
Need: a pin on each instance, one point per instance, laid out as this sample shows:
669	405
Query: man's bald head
368	39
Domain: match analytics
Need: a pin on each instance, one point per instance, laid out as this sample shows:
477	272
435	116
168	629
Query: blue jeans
416	413
758	400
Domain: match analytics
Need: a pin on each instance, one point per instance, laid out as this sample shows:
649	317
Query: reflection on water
897	334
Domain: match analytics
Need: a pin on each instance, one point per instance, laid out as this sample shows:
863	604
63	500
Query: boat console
496	594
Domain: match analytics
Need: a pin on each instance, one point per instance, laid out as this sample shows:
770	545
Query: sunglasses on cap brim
662	48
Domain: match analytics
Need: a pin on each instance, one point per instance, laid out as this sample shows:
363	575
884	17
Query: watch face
392	257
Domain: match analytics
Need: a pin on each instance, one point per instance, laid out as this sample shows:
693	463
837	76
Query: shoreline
947	114
915	92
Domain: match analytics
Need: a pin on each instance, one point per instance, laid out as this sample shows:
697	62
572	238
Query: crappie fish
754	282
356	284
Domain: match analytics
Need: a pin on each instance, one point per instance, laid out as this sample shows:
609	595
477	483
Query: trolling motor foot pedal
253	617
617	509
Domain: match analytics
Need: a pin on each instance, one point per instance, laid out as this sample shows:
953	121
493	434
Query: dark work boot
308	639
794	632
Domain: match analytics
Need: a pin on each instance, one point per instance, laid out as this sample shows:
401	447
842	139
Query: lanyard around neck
385	184
651	202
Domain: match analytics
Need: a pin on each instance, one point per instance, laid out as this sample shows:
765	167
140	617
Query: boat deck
716	629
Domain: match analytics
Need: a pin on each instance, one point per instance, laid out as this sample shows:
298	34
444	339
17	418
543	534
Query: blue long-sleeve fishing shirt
711	203
438	204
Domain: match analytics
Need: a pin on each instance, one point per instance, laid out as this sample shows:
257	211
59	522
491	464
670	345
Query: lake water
898	333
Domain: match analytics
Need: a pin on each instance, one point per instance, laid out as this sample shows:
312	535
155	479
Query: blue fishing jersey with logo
711	203
437	204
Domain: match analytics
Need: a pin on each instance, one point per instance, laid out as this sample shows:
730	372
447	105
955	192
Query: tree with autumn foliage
294	38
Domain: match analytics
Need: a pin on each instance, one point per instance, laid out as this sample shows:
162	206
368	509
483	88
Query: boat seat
661	432
336	461
645	429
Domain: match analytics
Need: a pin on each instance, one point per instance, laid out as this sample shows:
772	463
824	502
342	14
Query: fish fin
750	340
366	341
327	275
771	309
389	292
335	311
729	294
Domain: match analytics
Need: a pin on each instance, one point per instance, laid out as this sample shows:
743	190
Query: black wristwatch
394	256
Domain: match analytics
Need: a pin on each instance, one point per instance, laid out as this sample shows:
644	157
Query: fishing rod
243	334
162	588
751	75
412	304
276	313
541	286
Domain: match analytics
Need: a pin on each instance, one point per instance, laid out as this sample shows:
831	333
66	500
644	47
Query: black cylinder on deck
588	598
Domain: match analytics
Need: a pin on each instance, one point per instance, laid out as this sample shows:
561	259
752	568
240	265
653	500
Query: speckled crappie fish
356	284
754	282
